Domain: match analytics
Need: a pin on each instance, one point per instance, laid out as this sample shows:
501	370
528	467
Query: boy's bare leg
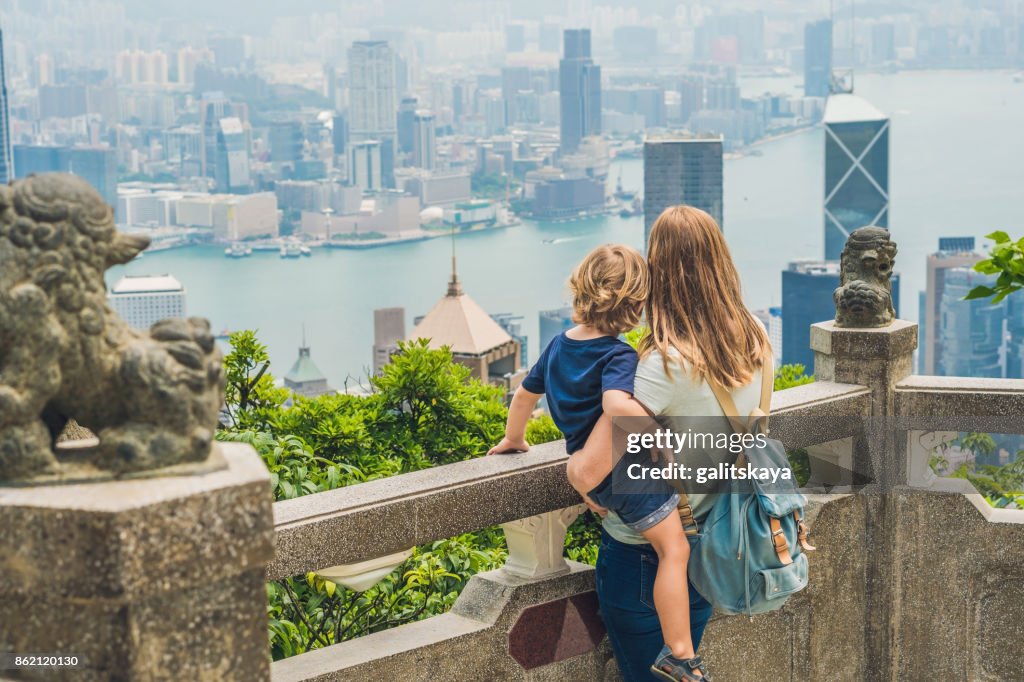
671	591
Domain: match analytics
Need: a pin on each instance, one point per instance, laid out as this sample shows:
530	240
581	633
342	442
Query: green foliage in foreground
425	410
1002	486
1006	259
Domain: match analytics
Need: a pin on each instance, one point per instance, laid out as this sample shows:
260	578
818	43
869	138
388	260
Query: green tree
250	396
1006	259
425	409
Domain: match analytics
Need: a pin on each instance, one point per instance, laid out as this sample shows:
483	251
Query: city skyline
340	130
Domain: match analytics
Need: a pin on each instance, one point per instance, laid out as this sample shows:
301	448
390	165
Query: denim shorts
641	503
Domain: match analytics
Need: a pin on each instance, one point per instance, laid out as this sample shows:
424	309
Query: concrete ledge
373	519
377	518
838	411
961	398
469	644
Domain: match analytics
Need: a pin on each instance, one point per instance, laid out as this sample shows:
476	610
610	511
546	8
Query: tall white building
373	103
143	300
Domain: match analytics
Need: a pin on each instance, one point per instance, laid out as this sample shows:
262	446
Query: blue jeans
625	591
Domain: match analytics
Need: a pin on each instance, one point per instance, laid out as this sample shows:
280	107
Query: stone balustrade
910	581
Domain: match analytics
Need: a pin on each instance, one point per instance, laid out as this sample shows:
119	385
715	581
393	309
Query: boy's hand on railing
507	446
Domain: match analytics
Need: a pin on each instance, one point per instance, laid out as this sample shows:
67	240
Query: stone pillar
536	543
148	579
877	358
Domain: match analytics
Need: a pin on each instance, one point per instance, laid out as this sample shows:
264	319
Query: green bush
425	410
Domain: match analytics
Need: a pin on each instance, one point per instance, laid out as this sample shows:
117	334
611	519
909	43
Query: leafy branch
1005	260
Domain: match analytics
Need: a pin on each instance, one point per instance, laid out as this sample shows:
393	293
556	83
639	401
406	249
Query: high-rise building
818	58
771	318
515	37
230	51
364	164
579	80
807	288
970	334
883	42
953	252
6	157
406	118
856	169
96	165
424	149
339	134
373	101
232	167
553	323
388	330
143	300
213	107
1015	337
682	170
286	141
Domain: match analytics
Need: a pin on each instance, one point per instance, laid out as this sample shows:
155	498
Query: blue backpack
750	554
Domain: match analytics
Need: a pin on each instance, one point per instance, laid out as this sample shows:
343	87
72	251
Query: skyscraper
6	158
807	288
856	169
213	107
818	58
970	336
373	102
364	165
406	115
424	148
579	81
954	252
682	170
95	165
231	171
286	141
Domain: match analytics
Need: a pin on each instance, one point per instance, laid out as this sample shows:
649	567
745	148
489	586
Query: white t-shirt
680	394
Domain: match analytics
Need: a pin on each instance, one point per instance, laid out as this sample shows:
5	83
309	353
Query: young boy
587	371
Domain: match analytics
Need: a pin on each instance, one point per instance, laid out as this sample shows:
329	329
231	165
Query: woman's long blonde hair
695	304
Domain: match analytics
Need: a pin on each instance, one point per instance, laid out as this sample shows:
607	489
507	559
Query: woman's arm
592	464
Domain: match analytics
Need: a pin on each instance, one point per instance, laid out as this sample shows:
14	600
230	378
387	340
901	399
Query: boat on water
238	250
291	250
632	208
305	251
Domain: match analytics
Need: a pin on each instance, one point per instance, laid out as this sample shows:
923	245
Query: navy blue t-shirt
574	375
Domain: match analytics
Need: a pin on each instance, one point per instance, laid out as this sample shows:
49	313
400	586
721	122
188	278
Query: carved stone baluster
535	544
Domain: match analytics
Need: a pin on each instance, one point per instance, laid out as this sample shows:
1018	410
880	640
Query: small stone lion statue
864	296
152	399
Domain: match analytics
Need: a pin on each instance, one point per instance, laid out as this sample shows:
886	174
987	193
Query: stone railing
914	578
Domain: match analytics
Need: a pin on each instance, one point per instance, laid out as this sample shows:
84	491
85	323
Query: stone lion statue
864	296
152	399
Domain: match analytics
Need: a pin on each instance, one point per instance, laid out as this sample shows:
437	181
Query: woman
699	331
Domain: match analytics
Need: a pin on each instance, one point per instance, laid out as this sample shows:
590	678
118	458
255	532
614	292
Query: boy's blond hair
609	288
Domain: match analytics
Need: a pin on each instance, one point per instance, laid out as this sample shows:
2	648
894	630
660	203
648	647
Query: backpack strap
760	414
